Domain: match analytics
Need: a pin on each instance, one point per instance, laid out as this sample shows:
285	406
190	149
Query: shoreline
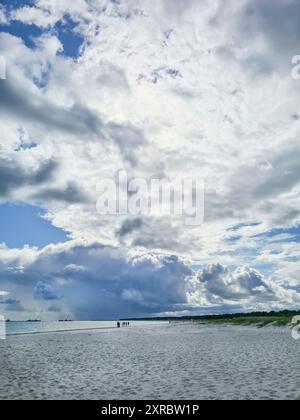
283	328
83	330
60	331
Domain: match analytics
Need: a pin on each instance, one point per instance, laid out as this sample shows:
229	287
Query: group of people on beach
124	324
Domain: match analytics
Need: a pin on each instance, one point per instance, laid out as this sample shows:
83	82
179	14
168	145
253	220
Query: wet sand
157	362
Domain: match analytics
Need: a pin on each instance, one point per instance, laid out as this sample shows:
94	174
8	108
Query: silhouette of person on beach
124	324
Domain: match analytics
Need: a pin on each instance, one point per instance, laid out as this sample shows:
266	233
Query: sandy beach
155	362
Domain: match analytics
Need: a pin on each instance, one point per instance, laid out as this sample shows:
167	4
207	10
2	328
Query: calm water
13	328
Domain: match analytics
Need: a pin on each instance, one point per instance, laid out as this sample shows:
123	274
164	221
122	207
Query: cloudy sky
161	89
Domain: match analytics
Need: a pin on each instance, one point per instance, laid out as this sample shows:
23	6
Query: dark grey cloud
26	106
99	282
45	173
54	309
44	291
129	226
78	120
277	20
16	306
112	77
283	175
128	138
277	173
274	23
14	176
260	186
11	304
243	283
153	233
281	213
161	238
71	194
8	301
178	8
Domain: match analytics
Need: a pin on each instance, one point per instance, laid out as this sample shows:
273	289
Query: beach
176	361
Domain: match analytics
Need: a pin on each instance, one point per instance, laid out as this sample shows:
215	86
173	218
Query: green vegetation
258	319
260	322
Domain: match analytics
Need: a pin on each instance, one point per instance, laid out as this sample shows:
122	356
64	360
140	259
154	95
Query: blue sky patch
294	233
242	225
23	225
71	40
25	143
28	33
26	146
16	4
65	30
233	239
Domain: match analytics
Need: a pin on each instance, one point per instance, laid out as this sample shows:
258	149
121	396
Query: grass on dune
258	319
260	322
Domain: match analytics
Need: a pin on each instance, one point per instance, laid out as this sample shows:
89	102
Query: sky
158	89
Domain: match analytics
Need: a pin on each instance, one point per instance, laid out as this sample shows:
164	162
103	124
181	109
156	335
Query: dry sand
161	362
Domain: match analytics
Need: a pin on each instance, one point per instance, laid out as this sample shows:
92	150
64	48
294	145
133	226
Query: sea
31	327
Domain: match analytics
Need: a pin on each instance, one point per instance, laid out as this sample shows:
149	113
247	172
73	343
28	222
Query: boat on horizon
67	319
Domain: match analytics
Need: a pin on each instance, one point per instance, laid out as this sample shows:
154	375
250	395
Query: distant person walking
123	324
